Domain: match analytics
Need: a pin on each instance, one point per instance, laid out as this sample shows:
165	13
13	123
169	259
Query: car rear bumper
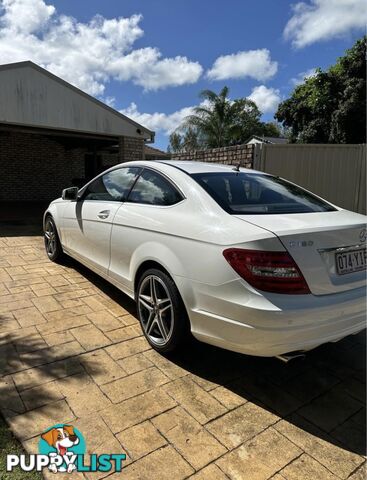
234	318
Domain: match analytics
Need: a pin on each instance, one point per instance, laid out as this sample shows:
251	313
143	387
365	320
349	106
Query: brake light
274	272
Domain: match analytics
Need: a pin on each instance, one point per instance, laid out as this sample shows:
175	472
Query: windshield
255	193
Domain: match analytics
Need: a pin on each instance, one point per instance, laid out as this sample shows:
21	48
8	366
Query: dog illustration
61	439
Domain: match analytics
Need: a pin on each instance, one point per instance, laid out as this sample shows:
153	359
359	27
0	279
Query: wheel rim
155	310
50	238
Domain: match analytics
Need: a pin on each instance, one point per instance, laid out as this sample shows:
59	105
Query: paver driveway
71	350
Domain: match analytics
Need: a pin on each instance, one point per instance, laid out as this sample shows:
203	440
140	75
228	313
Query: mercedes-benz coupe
241	259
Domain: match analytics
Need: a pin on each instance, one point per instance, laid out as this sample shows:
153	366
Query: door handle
103	214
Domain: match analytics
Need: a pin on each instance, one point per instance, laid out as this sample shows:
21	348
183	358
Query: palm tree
212	117
219	122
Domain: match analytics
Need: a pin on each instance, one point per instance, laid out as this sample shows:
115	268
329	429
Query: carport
53	135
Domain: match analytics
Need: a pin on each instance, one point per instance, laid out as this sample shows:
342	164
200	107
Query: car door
87	222
139	220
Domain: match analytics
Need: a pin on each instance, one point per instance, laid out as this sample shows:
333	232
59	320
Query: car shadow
322	394
107	288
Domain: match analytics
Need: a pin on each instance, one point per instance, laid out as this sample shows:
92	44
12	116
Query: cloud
255	64
90	54
267	99
319	20
147	69
301	77
109	100
27	15
159	122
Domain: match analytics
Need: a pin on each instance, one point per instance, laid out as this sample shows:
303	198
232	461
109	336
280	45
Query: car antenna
236	168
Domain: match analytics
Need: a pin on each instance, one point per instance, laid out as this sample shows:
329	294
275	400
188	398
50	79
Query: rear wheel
52	241
161	311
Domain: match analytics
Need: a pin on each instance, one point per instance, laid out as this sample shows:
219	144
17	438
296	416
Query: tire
52	241
161	312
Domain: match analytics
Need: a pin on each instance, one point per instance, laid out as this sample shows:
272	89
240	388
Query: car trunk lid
328	247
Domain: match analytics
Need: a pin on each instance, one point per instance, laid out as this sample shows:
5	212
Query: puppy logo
62	443
363	235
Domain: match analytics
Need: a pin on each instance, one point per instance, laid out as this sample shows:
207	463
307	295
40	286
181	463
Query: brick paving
71	350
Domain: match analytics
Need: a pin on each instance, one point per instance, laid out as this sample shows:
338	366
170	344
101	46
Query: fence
335	172
242	154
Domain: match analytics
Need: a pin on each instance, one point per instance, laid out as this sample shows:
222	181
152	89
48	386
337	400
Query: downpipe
287	357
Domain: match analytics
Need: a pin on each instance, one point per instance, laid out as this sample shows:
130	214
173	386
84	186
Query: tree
212	118
271	129
191	141
175	143
330	107
188	141
219	121
348	121
245	120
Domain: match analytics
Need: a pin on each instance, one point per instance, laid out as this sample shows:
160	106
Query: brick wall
131	149
35	167
242	154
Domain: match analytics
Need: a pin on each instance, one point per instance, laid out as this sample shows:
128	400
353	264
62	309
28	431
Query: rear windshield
255	193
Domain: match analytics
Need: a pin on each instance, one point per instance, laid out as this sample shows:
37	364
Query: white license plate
351	261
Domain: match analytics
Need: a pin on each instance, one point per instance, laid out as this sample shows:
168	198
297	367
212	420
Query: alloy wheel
155	310
51	239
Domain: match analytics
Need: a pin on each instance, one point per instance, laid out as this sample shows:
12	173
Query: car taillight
274	272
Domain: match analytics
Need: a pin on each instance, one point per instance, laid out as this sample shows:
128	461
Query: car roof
190	166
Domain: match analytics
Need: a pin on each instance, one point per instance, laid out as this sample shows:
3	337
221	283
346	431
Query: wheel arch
52	212
160	256
147	265
45	216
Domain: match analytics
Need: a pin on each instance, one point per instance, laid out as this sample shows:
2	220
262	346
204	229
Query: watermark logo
363	235
62	442
62	449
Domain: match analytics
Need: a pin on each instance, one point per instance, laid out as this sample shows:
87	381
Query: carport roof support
31	96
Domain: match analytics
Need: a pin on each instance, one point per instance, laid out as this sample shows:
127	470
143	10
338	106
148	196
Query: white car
242	259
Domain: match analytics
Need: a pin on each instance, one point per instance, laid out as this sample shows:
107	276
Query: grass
8	444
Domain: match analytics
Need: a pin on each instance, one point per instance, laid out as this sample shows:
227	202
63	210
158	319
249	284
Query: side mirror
70	193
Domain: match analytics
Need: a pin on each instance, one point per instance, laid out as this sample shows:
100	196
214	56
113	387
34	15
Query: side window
114	186
153	189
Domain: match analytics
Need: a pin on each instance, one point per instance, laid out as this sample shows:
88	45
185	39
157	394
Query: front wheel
52	242
161	311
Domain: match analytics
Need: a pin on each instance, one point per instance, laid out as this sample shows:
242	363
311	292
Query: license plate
351	261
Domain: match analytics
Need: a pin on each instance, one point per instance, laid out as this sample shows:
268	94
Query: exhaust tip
287	357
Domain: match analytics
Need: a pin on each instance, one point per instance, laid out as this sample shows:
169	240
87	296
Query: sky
150	59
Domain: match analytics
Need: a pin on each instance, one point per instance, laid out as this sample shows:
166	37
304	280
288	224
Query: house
152	153
53	135
111	155
261	139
